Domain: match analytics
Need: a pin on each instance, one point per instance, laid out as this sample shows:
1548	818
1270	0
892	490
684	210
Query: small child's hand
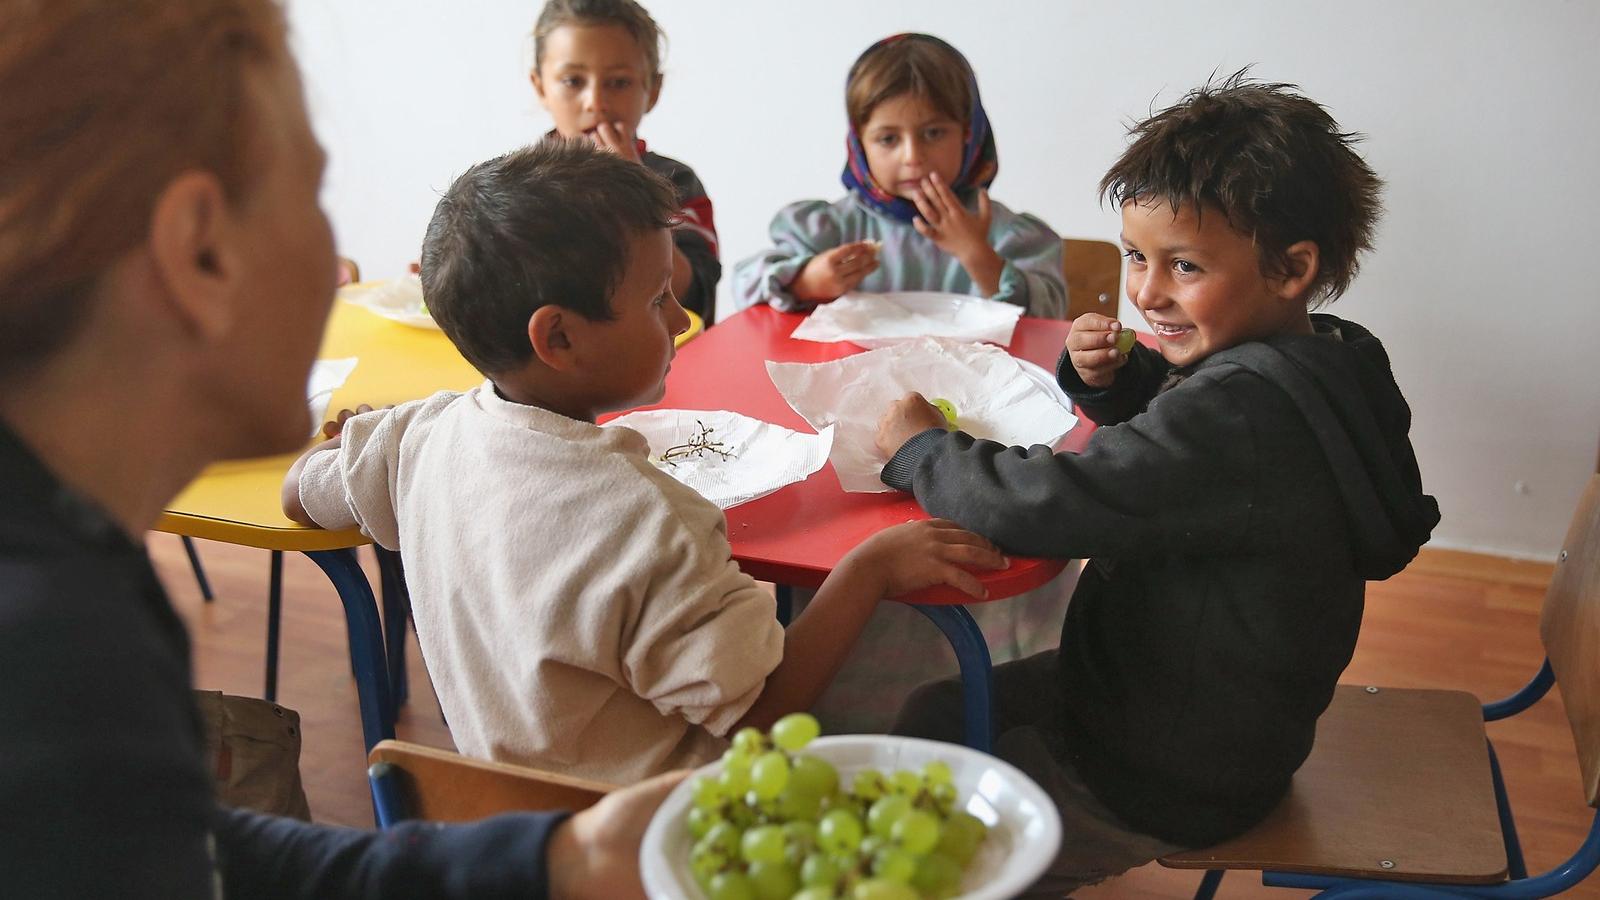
946	222
617	138
832	273
906	418
919	555
333	428
1092	347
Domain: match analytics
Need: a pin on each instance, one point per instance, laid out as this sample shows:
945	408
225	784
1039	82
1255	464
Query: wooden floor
1451	620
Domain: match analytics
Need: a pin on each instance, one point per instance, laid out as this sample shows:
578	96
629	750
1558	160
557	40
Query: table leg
199	571
274	622
396	610
784	594
972	653
366	641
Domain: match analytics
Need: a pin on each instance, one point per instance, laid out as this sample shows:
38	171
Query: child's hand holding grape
1099	346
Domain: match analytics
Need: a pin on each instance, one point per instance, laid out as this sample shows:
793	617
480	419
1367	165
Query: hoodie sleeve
1180	478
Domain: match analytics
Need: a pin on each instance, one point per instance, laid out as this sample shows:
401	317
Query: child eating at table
918	216
578	608
597	71
1247	479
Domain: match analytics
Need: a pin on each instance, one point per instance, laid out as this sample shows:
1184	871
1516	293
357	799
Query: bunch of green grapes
777	824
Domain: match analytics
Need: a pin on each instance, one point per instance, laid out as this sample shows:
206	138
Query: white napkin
761	457
878	320
398	299
327	376
995	397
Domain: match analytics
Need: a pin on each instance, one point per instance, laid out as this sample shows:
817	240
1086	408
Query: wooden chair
1402	795
1093	272
410	781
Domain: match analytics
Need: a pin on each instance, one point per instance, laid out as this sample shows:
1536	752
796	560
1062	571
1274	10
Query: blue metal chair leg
274	621
1209	884
396	612
366	641
1508	824
199	572
388	796
972	653
784	594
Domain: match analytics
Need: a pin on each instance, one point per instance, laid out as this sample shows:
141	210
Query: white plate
1024	828
398	300
1045	380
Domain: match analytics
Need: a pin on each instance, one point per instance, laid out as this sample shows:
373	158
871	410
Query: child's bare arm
891	563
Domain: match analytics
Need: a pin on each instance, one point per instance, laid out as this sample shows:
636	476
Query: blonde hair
913	64
102	104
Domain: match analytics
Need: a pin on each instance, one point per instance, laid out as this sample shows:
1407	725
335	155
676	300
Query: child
578	608
921	156
1247	480
918	216
597	71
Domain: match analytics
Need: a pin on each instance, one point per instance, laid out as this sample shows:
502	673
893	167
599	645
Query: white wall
1483	117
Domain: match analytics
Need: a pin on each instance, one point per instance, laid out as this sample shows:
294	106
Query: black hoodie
1233	512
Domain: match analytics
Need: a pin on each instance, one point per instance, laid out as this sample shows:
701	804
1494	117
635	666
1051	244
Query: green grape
816	893
795	804
735	777
1126	338
839	831
802	833
723	836
730	886
881	889
937	773
944	798
894	865
705	861
871	844
769	774
887	811
748	742
762	844
795	730
701	820
937	875
813	775
960	837
869	785
707	793
906	783
917	831
819	871
773	881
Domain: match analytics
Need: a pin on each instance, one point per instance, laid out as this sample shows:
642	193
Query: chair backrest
1093	272
1570	628
441	786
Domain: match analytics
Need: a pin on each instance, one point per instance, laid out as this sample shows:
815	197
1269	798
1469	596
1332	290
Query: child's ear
655	91
538	84
1302	260
549	333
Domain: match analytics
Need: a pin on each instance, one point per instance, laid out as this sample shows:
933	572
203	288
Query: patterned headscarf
979	161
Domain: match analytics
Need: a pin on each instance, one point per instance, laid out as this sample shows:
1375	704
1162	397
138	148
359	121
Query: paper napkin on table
996	397
878	320
756	457
327	376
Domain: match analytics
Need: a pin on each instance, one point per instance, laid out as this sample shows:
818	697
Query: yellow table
238	502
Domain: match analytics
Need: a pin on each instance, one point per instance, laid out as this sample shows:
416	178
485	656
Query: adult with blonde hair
165	271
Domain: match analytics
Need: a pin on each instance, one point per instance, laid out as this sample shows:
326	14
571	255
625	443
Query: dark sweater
103	791
695	234
1232	513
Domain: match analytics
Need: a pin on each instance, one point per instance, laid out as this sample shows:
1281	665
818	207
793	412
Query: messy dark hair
1271	160
626	14
546	225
